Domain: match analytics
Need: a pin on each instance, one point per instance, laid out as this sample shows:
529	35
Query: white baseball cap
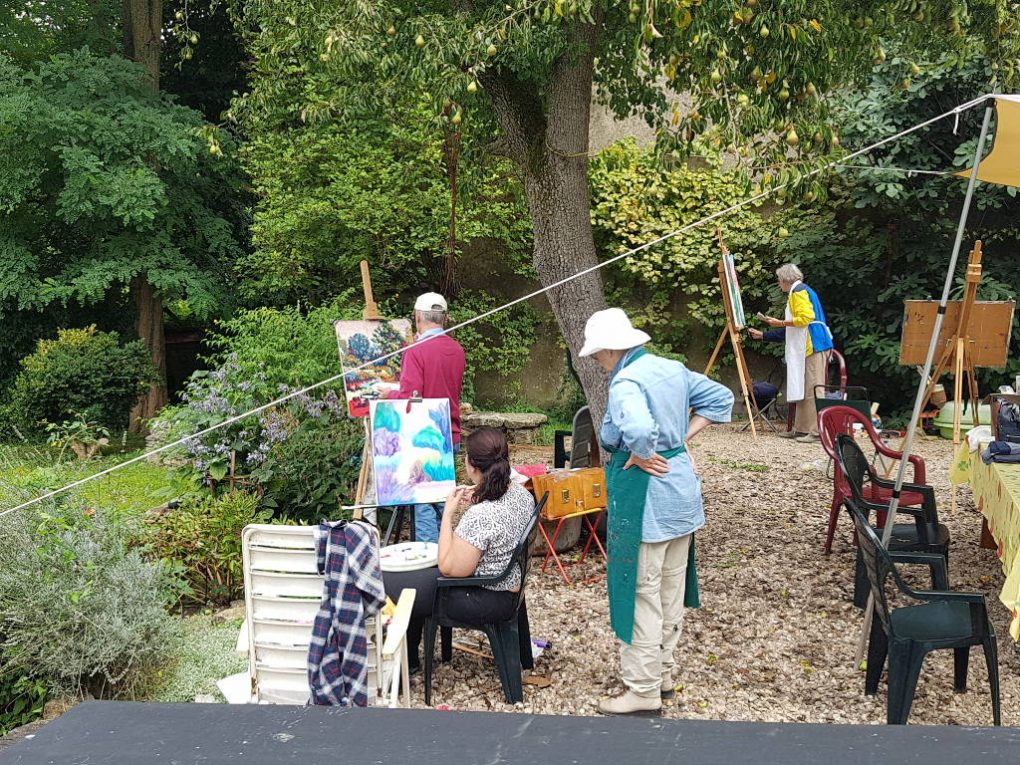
430	301
610	330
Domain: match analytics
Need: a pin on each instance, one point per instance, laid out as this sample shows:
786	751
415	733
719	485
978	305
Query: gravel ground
776	636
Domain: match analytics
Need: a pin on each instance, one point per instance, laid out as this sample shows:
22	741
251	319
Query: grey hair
789	273
433	317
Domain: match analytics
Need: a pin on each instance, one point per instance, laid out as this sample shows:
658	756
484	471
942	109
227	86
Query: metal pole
932	344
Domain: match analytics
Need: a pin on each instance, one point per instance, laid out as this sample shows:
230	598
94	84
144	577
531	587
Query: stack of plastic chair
282	593
945	619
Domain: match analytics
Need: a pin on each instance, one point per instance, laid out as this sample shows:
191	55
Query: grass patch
207	655
26	471
546	435
751	467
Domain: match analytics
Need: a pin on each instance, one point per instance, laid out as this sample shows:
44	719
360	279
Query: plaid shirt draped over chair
347	554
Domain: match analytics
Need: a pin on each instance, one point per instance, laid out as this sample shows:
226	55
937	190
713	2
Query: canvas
733	285
412	451
364	341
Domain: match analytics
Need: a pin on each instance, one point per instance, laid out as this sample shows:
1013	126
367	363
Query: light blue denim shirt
649	411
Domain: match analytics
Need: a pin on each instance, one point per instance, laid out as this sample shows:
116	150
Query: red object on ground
538	468
841	419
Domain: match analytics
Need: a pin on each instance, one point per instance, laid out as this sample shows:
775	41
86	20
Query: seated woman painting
492	516
483	542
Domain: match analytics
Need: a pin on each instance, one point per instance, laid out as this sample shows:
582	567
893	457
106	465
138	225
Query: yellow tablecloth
996	490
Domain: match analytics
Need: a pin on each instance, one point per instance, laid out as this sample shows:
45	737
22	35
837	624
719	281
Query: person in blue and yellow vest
808	342
655	502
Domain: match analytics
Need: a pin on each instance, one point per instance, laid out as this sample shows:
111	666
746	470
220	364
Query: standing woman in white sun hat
655	502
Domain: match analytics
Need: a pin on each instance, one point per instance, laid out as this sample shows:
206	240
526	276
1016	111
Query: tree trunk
549	143
149	325
143	22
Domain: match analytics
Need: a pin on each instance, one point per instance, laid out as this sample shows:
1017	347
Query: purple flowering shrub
304	454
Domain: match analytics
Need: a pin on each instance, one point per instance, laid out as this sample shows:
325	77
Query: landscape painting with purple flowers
412	451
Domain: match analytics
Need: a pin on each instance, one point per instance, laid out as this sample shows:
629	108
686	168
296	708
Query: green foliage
260	354
103	179
201	539
82	370
34	30
895	230
80	609
315	469
21	701
26	471
499	343
285	346
206	655
379	190
754	72
673	289
81	435
329	199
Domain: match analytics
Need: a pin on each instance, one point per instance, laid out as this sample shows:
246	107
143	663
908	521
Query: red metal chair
841	419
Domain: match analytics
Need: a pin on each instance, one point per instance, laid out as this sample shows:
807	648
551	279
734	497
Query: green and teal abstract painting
412	451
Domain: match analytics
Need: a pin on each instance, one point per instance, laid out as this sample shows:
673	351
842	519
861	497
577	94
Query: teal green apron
627	491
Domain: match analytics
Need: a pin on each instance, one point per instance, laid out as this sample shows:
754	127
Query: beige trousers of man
805	419
658	615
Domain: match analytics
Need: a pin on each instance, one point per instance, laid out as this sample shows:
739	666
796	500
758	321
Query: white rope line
906	170
708	219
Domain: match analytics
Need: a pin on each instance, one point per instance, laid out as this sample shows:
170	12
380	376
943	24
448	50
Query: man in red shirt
432	369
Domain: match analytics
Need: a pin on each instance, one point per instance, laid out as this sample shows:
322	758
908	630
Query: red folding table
586	518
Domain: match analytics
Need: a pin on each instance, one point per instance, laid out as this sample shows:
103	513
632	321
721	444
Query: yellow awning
1002	164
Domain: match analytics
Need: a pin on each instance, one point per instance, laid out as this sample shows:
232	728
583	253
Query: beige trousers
658	615
806	417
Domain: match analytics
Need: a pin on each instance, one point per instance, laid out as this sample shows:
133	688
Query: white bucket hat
610	330
430	301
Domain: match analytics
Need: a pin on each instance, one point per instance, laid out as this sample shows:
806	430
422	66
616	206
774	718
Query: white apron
796	353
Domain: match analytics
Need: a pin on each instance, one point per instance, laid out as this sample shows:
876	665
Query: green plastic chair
945	619
510	641
853	396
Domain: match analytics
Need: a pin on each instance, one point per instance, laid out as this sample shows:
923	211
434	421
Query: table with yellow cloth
996	488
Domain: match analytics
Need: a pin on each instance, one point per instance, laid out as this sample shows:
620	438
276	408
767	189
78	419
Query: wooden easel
957	350
730	331
371	313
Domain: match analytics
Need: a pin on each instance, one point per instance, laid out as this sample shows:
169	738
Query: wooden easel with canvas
735	321
407	458
975	334
358	343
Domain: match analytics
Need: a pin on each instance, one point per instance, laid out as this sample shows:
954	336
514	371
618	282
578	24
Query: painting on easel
361	342
733	286
412	451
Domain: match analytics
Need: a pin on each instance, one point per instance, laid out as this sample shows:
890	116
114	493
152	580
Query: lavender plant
303	454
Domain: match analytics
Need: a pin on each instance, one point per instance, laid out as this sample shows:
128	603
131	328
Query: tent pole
932	344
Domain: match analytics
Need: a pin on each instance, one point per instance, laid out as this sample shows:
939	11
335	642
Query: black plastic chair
510	640
583	446
905	635
924	534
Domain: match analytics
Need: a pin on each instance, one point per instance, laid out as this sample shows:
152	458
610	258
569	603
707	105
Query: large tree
518	77
136	29
107	187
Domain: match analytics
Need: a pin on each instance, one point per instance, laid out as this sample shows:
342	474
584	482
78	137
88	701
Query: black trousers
470	605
